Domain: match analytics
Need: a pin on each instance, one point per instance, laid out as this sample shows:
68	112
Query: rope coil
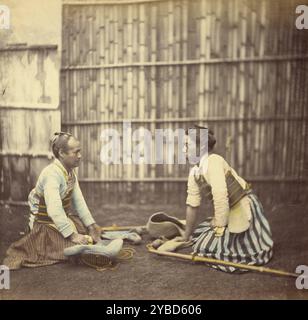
102	263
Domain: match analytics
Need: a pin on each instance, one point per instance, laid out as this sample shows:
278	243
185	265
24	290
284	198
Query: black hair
211	137
60	141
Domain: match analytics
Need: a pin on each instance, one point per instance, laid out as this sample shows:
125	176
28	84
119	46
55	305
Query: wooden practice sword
222	262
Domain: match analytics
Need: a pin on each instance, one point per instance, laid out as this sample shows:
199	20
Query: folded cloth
130	236
111	250
173	245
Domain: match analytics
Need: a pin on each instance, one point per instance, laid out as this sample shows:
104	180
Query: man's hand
219	231
95	232
78	238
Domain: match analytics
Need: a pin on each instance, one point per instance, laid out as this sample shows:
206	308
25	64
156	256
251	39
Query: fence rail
187	62
109	2
184	180
185	120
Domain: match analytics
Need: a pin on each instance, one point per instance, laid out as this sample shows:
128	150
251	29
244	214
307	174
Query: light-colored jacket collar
59	164
202	166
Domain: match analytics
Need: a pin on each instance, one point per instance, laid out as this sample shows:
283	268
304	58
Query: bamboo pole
242	91
142	85
224	263
222	51
121	73
29	107
170	72
209	106
83	81
14	203
135	89
91	110
261	87
176	80
203	90
184	101
269	99
117	107
164	81
17	153
95	135
189	120
153	84
107	82
267	179
70	89
233	60
252	92
135	49
130	74
218	100
258	86
295	134
298	138
119	25
264	37
102	85
142	49
218	36
232	52
177	56
108	2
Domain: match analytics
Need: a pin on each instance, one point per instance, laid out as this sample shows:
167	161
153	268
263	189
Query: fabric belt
42	215
235	190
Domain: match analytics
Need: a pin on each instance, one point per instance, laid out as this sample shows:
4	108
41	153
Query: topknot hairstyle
60	141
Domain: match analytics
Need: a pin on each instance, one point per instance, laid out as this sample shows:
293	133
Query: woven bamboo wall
29	114
239	66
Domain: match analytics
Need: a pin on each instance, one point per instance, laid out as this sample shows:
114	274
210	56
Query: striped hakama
252	247
42	246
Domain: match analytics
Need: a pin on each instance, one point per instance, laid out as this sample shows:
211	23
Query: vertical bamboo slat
203	101
153	83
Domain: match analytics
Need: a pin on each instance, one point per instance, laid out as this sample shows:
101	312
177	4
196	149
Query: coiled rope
102	263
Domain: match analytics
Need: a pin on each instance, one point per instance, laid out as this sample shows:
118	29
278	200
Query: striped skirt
42	246
252	247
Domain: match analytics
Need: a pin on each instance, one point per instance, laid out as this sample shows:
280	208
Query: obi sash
42	215
235	190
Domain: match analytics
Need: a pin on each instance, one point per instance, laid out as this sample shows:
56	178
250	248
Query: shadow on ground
147	276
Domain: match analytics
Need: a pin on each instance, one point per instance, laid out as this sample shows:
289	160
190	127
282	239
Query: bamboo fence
239	66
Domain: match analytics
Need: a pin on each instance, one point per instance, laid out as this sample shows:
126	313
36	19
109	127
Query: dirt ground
148	276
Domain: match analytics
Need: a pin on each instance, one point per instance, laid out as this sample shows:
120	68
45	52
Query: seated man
53	227
239	231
